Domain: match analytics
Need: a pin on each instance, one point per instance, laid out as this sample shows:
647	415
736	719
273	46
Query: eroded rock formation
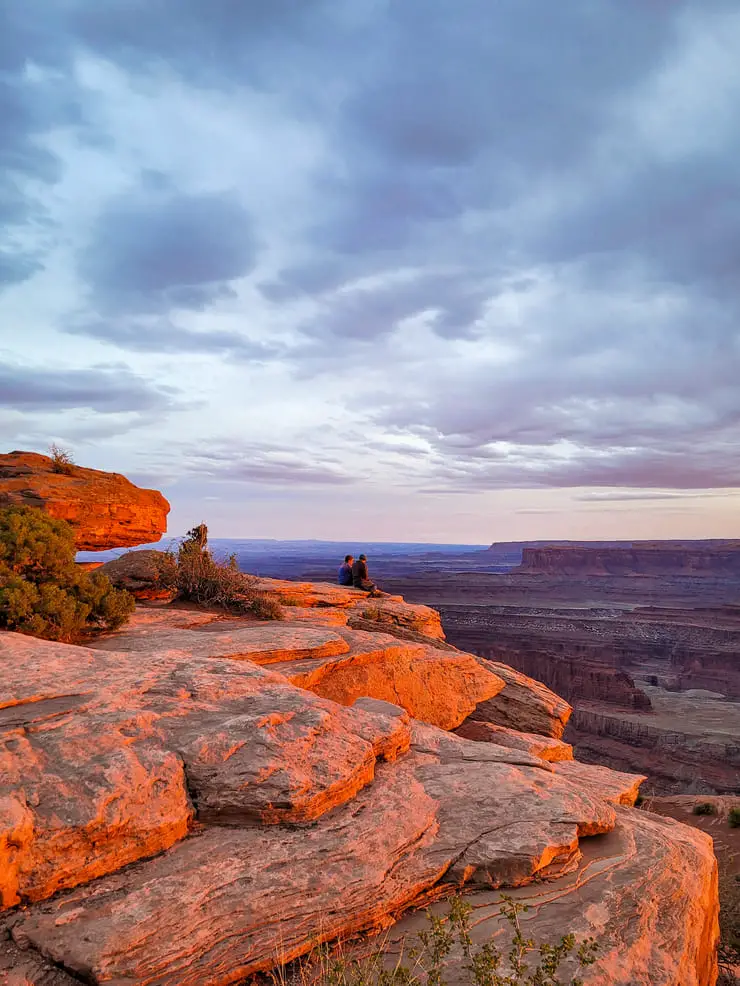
104	508
662	558
197	798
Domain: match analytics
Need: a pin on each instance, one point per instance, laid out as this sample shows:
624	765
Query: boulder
104	508
524	705
142	573
545	747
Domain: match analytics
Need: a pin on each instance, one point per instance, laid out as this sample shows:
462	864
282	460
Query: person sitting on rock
345	571
360	576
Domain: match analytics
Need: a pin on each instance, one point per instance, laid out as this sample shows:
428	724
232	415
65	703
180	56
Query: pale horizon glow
383	272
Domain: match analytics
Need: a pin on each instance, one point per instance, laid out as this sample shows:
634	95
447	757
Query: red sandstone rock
247	897
440	687
104	508
647	892
613	785
435	686
94	745
524	704
544	747
235	895
384	613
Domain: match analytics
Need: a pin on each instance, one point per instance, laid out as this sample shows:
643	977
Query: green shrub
42	592
522	962
704	808
198	577
61	460
733	818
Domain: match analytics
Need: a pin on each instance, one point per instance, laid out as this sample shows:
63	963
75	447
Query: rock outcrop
198	798
525	705
663	558
104	508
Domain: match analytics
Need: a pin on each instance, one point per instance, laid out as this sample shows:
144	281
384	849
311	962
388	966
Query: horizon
429	275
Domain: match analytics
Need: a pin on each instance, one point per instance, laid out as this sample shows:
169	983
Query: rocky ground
197	798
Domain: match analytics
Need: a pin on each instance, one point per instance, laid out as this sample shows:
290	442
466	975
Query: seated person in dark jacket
345	571
360	576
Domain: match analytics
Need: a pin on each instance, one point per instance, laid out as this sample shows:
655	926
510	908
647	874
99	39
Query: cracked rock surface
193	800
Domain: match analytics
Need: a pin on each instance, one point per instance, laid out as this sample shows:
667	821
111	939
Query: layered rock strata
665	558
104	508
197	799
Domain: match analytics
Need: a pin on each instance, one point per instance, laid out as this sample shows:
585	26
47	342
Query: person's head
363	557
348	559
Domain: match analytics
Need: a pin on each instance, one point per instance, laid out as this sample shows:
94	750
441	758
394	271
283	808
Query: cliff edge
200	797
104	508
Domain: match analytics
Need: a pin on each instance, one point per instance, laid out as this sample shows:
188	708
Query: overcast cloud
308	261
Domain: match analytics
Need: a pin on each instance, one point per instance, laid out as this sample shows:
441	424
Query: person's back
360	575
345	571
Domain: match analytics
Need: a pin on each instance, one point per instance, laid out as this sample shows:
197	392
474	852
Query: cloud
262	464
163	336
106	390
446	253
151	250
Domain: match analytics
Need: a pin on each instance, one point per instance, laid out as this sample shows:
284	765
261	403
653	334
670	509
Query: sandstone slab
545	747
647	892
248	898
524	704
386	612
263	643
101	752
104	508
616	786
435	686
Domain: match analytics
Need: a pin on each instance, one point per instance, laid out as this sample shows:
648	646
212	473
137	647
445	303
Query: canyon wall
639	559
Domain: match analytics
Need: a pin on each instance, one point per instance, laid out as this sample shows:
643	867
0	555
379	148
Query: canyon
201	796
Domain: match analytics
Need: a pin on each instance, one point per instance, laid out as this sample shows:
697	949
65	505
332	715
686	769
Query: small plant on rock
61	460
523	963
704	808
733	818
199	577
42	592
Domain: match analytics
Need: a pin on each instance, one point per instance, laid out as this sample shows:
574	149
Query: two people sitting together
354	572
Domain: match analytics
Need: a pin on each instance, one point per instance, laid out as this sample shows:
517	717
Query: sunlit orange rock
524	705
546	747
104	508
231	901
96	746
646	891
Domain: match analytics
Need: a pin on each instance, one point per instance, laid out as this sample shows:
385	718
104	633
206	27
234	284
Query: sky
384	269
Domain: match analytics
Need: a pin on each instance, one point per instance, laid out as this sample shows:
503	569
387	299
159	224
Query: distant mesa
718	558
104	508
